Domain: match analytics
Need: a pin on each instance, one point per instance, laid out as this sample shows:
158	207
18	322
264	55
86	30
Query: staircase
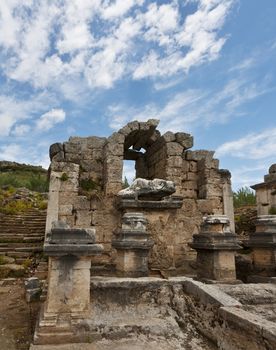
22	235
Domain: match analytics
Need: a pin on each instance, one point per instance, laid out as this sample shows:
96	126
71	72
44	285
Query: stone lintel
132	244
128	233
216	241
72	236
213	247
72	249
173	202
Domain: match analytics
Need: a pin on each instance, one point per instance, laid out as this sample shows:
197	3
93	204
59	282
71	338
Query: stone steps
22	235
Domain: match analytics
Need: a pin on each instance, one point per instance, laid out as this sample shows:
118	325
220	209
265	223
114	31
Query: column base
53	328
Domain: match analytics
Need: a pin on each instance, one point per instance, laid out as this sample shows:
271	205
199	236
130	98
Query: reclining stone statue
154	189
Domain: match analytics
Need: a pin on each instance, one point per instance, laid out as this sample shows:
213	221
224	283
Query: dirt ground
17	318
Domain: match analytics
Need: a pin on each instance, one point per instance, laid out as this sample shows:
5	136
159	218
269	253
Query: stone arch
126	144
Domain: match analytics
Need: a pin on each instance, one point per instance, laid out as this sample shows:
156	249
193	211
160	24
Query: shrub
88	184
244	196
27	263
16	206
64	177
2	260
38	183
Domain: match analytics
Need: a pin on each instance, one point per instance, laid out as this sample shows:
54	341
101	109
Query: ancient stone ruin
86	180
161	252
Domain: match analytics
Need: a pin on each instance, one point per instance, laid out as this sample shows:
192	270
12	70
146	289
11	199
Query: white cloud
6	122
243	65
13	111
194	107
118	8
252	146
16	152
49	119
21	130
100	41
172	114
198	36
11	152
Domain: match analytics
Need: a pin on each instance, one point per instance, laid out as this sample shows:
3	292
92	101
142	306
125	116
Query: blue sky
87	67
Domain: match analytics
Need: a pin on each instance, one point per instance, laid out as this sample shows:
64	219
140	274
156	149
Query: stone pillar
227	195
216	246
263	244
68	296
132	244
266	193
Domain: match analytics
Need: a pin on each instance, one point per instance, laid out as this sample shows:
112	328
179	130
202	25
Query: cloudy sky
87	67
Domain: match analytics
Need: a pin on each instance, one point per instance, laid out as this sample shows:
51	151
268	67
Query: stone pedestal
266	193
68	297
216	246
263	244
132	244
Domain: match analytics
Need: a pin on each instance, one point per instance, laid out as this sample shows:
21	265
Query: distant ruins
150	247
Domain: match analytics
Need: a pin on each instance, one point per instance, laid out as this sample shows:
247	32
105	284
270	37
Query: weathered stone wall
86	175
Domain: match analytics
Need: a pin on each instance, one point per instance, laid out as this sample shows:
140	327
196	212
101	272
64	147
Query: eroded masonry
86	180
162	251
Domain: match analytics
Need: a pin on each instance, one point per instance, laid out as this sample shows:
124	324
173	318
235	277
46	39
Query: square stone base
264	261
132	263
216	265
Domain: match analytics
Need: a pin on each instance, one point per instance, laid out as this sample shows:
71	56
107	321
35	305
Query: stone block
72	157
74	148
66	198
81	203
199	154
189	185
55	149
193	166
169	136
59	157
69	185
188	193
129	128
210	190
185	165
189	207
270	177
185	140
66	209
94	142
91	165
65	167
114	149
174	149
209	206
83	218
174	162
192	177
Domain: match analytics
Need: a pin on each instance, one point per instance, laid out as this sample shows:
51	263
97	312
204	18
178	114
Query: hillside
16	175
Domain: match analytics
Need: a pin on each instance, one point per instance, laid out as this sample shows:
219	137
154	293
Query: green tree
244	196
